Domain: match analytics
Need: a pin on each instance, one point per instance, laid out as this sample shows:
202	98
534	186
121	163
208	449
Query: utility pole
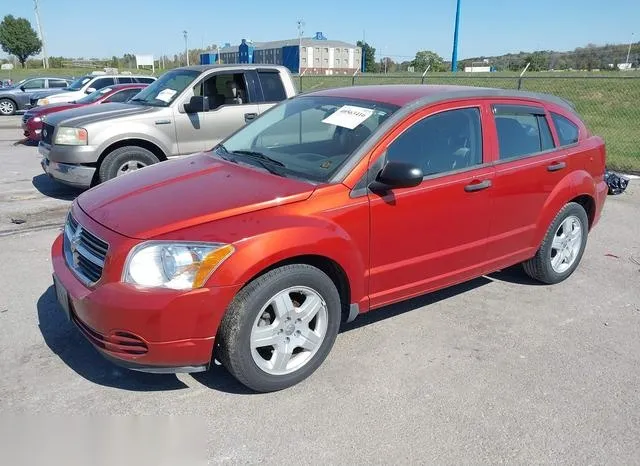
45	59
300	33
629	51
454	55
186	48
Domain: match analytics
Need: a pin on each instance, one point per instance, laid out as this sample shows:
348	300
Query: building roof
201	68
276	44
405	94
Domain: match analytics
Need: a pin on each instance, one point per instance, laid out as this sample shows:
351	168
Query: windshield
166	88
308	137
78	83
94	96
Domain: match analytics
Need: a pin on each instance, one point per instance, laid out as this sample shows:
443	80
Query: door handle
250	116
477	186
554	167
163	122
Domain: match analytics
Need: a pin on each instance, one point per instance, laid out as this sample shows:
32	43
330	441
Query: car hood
45	109
82	116
47	93
186	192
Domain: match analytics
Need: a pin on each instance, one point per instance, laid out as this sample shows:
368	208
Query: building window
317	49
317	60
304	50
337	61
326	50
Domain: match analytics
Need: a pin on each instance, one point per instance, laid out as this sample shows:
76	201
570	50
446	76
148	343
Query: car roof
119	87
406	94
251	66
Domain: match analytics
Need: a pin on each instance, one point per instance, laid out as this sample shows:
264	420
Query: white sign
7	66
165	95
348	116
144	60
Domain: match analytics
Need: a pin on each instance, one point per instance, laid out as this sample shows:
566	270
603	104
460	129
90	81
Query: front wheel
280	327
125	160
562	247
7	107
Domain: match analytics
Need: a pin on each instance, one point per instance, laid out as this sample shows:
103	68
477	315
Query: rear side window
102	82
444	142
122	96
124	80
522	131
568	132
145	80
272	87
58	83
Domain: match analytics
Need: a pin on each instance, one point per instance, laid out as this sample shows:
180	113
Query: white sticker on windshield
105	90
348	116
166	94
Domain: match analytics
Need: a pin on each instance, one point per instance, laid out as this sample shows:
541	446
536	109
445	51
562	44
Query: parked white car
88	84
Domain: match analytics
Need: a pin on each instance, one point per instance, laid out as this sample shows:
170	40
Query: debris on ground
611	255
617	183
18	221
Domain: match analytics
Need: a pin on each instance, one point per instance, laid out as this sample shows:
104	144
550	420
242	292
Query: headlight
37	119
71	136
179	266
42	102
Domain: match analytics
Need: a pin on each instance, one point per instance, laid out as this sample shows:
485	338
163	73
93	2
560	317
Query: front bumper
32	131
159	331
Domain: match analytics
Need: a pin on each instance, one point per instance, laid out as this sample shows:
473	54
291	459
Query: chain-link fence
609	105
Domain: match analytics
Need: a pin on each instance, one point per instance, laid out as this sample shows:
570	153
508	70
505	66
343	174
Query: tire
547	266
262	369
128	156
7	107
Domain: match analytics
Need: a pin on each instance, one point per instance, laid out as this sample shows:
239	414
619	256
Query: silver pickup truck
186	110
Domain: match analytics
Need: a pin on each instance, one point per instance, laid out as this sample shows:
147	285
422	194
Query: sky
396	29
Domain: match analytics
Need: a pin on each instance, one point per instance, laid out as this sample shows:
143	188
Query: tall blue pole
454	56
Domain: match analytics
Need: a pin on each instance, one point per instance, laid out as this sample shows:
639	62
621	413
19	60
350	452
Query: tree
387	65
539	61
425	58
18	38
369	55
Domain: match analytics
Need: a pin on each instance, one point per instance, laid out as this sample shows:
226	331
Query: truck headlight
42	102
178	266
71	136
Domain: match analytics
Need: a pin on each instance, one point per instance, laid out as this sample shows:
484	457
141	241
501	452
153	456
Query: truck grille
84	252
47	132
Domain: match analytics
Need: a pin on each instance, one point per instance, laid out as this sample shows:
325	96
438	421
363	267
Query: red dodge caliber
329	205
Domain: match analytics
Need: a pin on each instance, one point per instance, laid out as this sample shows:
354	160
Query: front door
432	235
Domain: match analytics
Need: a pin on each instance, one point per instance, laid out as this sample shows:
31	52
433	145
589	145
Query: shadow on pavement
68	343
516	275
26	142
218	378
52	188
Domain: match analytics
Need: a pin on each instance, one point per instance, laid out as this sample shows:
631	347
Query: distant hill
583	58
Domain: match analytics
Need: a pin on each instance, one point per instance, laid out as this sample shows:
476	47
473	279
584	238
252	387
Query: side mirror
196	104
22	88
90	90
397	175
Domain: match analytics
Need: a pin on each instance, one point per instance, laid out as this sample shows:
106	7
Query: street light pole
300	33
186	48
454	55
45	59
629	51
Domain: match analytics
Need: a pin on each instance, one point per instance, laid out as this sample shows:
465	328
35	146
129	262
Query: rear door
528	166
432	235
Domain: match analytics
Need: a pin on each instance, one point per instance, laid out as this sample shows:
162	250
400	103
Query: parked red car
329	205
32	119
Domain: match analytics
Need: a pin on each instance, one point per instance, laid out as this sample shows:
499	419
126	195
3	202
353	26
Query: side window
145	80
57	83
34	84
122	96
125	80
521	132
568	132
102	82
223	89
446	141
272	86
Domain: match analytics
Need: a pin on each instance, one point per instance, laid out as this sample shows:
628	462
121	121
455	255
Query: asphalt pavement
497	370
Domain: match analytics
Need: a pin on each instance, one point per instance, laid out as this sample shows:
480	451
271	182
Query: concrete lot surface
499	369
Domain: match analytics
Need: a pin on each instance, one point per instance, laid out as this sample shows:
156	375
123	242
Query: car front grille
47	132
84	252
25	117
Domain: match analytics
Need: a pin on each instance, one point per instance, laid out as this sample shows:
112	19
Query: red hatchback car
32	119
331	204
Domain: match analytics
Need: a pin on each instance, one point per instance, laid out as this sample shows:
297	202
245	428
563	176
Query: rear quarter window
568	131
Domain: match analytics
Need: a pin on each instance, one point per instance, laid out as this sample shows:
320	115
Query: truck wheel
280	327
562	247
7	107
125	160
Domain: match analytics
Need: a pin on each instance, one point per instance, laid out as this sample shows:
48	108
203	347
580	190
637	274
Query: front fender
297	236
132	131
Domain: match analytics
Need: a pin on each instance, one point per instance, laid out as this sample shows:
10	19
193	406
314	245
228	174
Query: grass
609	102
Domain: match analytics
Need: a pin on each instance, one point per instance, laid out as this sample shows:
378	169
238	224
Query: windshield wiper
257	156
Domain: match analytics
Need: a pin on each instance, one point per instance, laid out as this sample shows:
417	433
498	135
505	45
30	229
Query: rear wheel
280	327
7	107
562	247
125	160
